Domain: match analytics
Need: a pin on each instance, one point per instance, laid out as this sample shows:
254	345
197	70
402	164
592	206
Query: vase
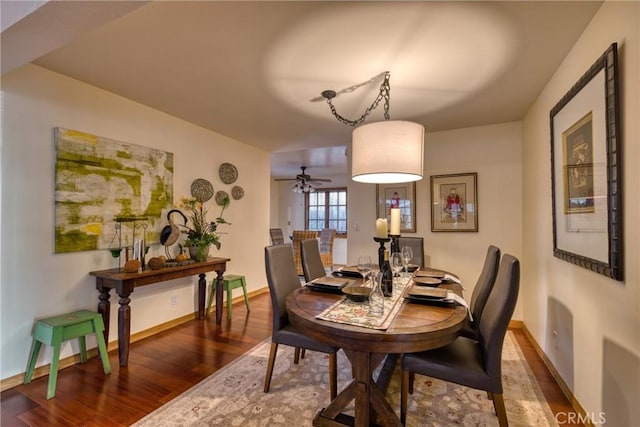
199	253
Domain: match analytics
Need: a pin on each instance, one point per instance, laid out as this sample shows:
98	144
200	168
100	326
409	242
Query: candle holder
395	243
381	249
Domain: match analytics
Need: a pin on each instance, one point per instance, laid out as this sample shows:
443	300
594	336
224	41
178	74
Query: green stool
229	283
53	330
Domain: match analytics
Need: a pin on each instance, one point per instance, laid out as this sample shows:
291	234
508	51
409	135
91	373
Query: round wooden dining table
416	327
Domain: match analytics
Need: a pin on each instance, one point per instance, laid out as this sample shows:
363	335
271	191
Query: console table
124	283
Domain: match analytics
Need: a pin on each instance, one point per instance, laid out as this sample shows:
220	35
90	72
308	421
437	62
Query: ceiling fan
304	183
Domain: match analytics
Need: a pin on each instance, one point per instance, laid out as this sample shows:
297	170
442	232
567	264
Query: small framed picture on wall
454	202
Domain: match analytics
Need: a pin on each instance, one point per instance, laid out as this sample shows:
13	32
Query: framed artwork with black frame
586	171
401	196
454	202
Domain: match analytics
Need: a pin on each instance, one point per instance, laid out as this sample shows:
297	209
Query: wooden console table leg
104	308
219	297
124	328
202	290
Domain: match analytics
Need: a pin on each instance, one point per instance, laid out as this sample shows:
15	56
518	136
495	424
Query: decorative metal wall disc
220	197
228	173
237	192
201	190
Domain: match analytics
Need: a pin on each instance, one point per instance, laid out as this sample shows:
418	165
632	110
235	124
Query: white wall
35	282
494	152
587	324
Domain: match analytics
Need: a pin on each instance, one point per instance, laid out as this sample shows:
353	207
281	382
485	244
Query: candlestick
381	228
395	242
395	221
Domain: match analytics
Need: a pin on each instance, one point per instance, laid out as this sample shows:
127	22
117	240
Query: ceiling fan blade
319	180
285	179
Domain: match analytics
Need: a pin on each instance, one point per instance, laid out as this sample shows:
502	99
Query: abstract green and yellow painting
99	180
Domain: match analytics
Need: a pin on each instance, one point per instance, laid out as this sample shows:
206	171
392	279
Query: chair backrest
298	237
282	280
277	236
327	236
497	314
417	246
485	282
312	266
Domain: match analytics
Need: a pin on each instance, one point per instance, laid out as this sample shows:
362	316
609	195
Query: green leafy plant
201	232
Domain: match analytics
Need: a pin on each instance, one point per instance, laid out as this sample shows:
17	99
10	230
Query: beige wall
35	281
587	324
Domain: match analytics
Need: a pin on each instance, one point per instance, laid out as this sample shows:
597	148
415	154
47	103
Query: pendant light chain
385	93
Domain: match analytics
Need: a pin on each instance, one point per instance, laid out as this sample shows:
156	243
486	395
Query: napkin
458	299
452	278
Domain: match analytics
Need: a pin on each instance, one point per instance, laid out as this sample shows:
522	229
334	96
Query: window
327	208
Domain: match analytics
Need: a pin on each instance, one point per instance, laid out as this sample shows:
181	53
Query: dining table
415	327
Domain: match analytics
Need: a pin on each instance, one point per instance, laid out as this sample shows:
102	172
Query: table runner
357	313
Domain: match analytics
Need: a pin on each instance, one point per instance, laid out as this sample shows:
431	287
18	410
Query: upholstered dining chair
326	239
481	291
417	246
471	363
277	236
298	237
311	261
282	280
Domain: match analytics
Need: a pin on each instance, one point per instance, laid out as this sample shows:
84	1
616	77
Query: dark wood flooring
165	365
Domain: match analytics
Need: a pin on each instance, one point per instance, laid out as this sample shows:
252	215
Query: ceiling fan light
302	187
386	152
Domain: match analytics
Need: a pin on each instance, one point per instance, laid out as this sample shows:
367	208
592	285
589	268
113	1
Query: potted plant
201	233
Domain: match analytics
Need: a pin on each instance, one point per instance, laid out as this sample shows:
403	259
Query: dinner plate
348	271
421	291
321	288
412	267
430	301
427	281
357	293
430	273
330	281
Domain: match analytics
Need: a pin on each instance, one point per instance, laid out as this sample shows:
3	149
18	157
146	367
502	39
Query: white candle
381	228
395	222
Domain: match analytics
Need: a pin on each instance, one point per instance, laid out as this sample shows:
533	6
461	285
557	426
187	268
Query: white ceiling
254	70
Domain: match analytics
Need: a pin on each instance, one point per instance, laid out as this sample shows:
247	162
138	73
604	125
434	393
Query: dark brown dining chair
471	363
311	261
417	246
481	292
282	280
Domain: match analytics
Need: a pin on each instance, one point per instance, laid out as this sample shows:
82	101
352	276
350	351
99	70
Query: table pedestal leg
369	398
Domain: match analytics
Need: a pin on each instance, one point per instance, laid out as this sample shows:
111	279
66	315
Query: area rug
234	396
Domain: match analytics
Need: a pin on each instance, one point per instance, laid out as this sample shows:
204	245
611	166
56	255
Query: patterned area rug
234	395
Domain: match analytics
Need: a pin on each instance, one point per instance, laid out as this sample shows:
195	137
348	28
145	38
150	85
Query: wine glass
364	266
397	263
407	255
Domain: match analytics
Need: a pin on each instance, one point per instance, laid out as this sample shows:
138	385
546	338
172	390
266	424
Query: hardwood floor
165	365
